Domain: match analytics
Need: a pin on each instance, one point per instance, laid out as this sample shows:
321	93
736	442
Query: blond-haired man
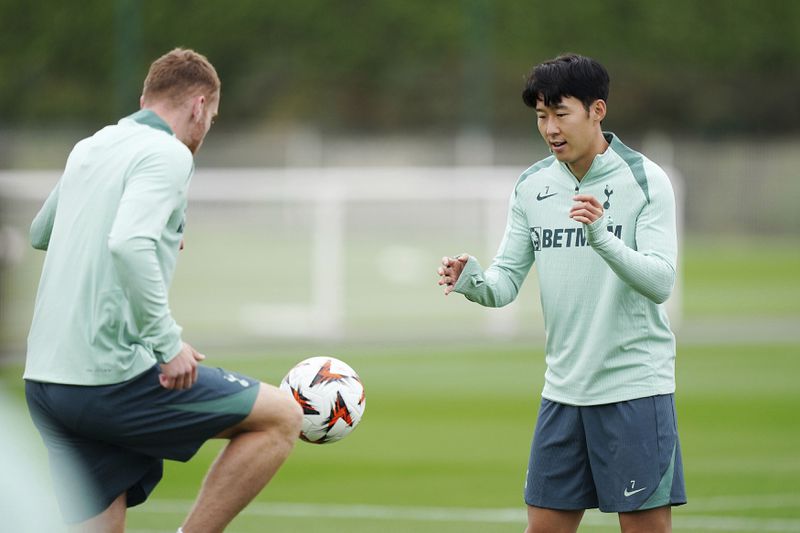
110	383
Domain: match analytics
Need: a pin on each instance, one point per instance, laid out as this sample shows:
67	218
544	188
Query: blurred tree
709	67
127	48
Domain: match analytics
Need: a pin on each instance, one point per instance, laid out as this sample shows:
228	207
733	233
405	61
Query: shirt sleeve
501	282
650	268
151	193
42	225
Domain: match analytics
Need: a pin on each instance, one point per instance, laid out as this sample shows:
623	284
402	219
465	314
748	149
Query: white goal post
331	195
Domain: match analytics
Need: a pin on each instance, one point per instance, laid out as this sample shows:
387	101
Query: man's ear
598	110
198	106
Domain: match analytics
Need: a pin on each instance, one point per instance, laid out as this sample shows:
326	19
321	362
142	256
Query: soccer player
598	219
110	384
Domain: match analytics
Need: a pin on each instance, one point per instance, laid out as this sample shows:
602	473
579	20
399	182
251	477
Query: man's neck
174	117
581	167
171	115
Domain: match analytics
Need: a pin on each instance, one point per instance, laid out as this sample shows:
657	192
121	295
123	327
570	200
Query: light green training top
602	285
112	227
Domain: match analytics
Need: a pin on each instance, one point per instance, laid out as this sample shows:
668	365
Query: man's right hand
450	271
181	372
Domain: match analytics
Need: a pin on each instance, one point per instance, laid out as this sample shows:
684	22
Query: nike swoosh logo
628	494
540	197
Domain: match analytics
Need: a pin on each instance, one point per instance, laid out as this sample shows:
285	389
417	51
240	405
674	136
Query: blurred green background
405	119
703	68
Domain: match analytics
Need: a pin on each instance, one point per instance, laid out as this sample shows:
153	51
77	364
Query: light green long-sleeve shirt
602	285
112	228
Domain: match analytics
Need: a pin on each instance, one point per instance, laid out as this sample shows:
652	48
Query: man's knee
542	520
289	412
657	520
276	409
111	520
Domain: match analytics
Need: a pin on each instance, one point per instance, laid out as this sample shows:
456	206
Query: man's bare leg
112	520
542	520
657	520
258	447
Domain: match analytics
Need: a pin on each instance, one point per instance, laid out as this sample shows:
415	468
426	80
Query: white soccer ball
331	395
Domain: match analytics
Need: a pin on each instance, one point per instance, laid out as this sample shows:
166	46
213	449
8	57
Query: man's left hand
181	372
587	209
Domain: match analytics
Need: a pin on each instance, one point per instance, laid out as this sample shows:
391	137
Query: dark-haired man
110	384
598	219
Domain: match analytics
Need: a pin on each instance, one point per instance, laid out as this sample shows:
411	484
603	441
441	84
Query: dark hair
567	75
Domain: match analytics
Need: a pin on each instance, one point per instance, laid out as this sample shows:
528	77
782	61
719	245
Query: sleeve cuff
596	232
470	278
168	353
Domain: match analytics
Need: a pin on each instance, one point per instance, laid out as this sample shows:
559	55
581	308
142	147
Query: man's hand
586	209
181	372
450	271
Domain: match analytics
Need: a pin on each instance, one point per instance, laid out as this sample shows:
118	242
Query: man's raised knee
291	414
276	409
273	410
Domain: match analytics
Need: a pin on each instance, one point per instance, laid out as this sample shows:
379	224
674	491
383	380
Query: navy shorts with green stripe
106	440
620	457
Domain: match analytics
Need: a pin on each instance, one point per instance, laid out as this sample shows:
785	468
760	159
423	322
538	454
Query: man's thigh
143	417
552	521
115	437
272	407
559	475
657	520
635	454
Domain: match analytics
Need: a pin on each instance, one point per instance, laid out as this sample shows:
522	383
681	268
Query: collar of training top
149	118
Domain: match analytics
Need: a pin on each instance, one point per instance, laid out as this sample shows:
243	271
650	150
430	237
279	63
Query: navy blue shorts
620	457
106	440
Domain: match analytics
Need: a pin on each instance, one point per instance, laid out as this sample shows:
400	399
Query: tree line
710	67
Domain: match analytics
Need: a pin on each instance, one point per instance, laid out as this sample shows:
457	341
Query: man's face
569	129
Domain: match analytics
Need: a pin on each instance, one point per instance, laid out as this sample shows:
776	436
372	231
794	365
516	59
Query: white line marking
380	512
681	521
745	501
729	523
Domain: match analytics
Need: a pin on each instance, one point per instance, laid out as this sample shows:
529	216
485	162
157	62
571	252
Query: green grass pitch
444	441
450	428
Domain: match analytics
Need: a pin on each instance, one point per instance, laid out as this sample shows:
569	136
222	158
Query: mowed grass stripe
471	515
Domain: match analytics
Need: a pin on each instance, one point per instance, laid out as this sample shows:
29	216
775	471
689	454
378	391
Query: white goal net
329	253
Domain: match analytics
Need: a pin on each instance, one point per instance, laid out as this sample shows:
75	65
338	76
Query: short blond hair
179	73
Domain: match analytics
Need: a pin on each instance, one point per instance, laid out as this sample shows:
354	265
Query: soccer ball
331	395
